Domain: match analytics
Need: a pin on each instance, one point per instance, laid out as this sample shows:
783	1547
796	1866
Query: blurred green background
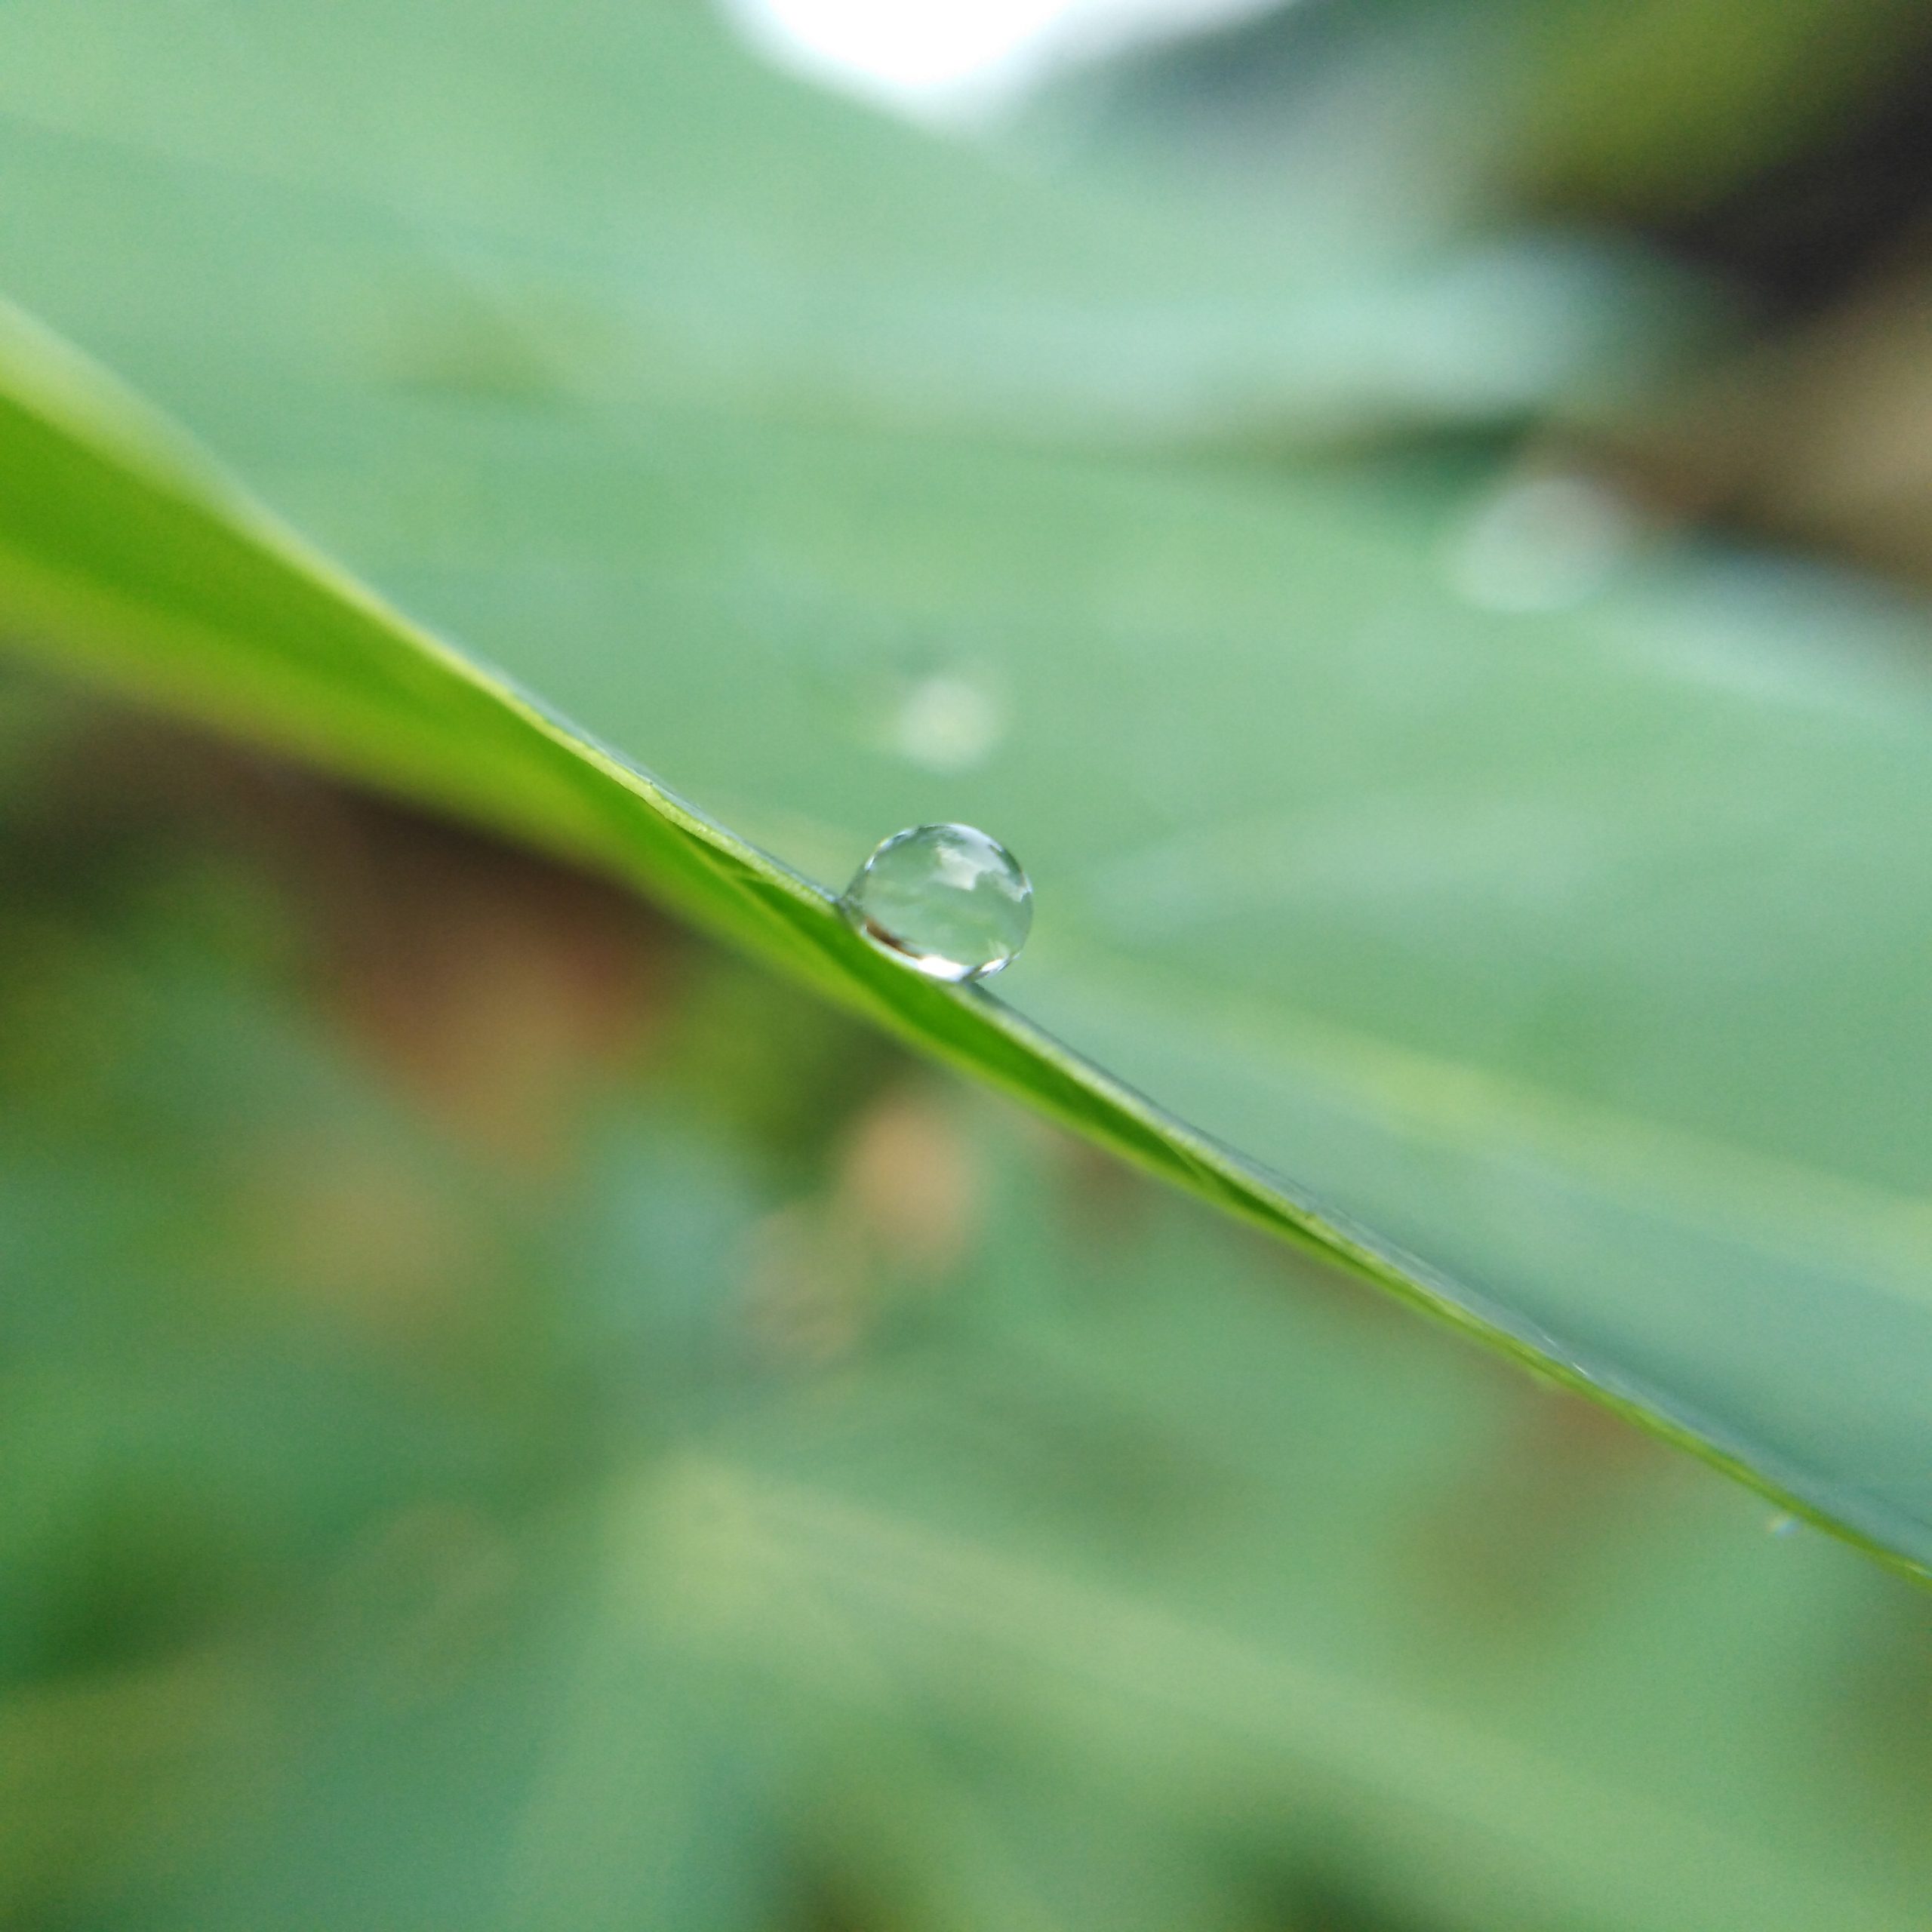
510	1418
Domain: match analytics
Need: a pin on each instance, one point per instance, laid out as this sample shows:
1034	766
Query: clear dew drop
947	900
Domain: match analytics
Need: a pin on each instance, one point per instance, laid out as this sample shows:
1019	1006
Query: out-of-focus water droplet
945	898
1544	543
947	723
1782	1525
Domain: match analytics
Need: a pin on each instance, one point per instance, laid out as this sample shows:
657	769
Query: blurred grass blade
635	209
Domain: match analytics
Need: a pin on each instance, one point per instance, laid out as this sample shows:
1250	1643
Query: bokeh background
510	1418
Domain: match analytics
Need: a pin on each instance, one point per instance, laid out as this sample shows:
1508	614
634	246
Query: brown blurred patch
503	990
499	987
907	1183
1818	437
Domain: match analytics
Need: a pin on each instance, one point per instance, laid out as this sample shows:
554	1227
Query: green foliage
1572	953
512	1419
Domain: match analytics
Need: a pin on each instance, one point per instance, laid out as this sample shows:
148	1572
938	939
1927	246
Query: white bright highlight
948	59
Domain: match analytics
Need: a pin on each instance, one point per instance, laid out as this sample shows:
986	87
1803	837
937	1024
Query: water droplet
945	898
946	723
1544	543
1782	1525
